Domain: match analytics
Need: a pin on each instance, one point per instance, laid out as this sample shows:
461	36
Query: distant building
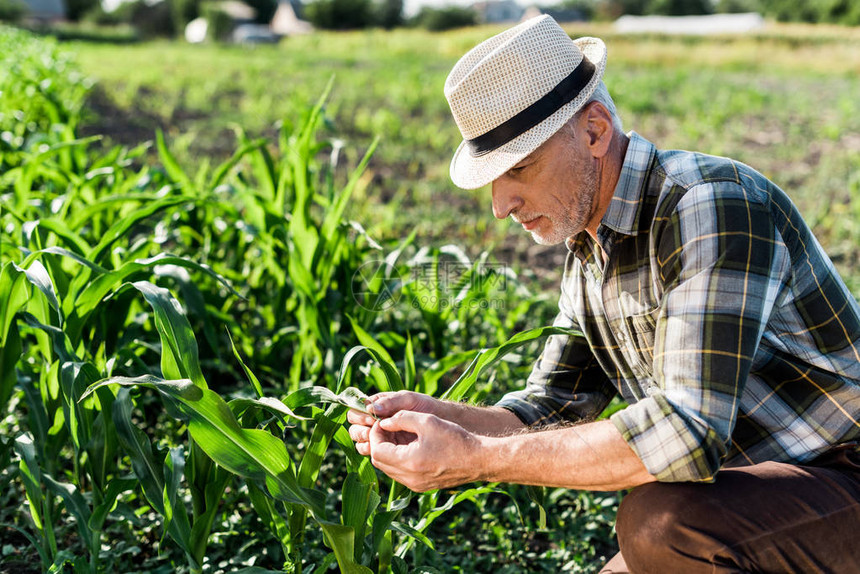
287	19
691	25
498	11
45	10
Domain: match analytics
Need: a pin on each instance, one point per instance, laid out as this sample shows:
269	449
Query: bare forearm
590	456
486	421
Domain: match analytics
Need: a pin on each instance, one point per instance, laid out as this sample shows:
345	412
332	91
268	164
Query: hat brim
470	172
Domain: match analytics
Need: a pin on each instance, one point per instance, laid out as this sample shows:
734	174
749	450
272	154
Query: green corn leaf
255	382
65	558
266	172
10	354
412	533
355	462
409	371
213	493
174	469
381	537
270	404
38	276
251	453
14	294
110	204
31	475
360	500
75	377
59	341
92	296
37	413
171	166
488	357
342	541
268	513
222	170
380	354
179	359
350	397
316	448
75	505
72	240
537	494
54	250
115	487
146	466
122	227
334	215
326	563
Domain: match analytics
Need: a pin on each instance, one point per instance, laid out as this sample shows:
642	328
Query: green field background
785	100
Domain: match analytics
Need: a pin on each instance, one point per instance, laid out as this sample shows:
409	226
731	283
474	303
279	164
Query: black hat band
565	92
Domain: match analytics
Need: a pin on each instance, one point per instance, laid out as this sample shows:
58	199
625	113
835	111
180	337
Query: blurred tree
75	9
388	13
612	9
183	12
153	20
679	7
840	12
737	6
11	10
438	19
265	9
792	10
340	14
220	23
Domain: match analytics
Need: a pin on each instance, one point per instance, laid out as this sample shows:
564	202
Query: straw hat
510	93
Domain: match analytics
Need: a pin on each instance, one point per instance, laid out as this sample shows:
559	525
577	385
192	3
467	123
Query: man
696	291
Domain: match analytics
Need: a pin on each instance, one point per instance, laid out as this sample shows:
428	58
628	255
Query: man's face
553	192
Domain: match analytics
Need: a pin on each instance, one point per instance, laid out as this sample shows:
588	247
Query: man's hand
385	405
424	452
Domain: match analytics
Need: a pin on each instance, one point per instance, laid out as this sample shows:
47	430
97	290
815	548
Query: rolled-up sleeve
721	266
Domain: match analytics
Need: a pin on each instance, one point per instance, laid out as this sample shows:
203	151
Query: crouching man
694	289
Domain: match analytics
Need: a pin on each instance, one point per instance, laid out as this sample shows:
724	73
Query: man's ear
598	128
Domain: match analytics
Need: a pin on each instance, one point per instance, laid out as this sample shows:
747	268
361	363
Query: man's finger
408	421
359	433
386	404
359	418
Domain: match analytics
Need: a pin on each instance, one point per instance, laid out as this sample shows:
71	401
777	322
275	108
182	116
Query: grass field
784	101
172	269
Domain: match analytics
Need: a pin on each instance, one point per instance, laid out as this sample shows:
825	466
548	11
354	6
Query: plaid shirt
718	317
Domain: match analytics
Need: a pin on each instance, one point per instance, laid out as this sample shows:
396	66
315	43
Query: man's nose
505	199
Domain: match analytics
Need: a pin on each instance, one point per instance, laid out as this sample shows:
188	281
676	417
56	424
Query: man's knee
657	526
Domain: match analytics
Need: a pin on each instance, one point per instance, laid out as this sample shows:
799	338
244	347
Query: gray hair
601	95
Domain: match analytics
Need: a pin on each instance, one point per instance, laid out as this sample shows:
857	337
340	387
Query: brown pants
770	517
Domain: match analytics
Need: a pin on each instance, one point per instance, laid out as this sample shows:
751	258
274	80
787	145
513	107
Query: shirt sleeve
566	382
721	268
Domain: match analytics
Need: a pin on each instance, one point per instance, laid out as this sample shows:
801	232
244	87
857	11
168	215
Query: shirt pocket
642	328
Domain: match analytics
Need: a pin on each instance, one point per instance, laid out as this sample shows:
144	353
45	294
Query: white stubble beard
577	213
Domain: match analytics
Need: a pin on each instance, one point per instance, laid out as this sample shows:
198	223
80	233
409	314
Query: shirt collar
622	215
623	212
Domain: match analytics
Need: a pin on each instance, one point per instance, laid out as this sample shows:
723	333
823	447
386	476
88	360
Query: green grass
252	236
784	101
